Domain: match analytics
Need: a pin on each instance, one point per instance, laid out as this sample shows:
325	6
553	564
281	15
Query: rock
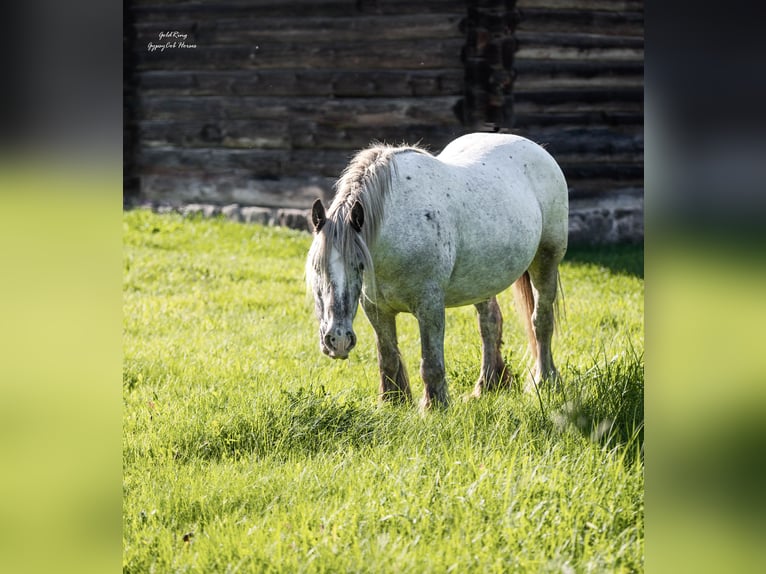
293	218
260	215
232	212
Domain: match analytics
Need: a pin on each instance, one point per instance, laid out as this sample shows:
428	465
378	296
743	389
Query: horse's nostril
329	340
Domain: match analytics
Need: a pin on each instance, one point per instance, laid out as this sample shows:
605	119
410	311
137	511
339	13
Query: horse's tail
524	298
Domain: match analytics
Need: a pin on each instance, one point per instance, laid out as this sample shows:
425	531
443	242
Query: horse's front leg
394	383
430	316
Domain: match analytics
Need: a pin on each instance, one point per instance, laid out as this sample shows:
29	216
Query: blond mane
367	179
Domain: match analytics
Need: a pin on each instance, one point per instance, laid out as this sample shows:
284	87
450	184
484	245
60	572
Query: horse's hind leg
493	372
543	274
394	383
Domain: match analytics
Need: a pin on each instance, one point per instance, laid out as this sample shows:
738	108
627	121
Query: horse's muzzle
337	342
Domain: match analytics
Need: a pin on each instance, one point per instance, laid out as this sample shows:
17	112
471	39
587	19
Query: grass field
246	450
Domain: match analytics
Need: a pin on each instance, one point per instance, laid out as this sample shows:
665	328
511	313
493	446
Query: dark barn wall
276	96
579	89
269	106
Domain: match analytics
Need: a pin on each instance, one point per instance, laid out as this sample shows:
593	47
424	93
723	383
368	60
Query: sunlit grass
245	449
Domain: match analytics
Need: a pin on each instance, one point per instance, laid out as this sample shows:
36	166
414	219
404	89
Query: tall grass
246	450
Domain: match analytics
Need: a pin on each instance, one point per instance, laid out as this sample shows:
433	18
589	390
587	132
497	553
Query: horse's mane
367	179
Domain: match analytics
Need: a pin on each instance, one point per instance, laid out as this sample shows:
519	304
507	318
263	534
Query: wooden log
586	5
262	163
605	95
547	52
584	118
578	40
558	75
291	82
599	187
243	188
277	134
341	112
262	134
577	68
224	188
359	28
576	170
153	10
414	54
276	164
531	108
588	142
545	83
566	20
591	160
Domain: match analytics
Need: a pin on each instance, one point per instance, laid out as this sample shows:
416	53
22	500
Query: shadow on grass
605	403
302	423
620	259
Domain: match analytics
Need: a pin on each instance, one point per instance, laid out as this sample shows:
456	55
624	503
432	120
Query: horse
412	232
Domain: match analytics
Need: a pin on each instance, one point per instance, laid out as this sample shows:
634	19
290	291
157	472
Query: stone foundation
616	219
600	221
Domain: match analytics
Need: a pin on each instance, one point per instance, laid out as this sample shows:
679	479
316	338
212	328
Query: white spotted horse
410	232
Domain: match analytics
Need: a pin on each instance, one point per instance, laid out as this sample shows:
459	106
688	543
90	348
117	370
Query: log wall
579	89
276	96
263	102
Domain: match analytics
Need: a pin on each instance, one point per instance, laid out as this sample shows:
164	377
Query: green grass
246	450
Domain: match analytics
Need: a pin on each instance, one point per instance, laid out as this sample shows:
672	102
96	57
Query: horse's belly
482	275
496	247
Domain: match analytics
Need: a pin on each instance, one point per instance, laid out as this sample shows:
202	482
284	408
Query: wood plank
598	187
600	22
262	134
547	52
223	188
600	5
340	112
613	119
153	10
534	108
360	28
540	83
566	20
578	40
291	82
617	171
262	163
591	161
415	54
589	141
589	95
579	68
292	134
557	75
276	164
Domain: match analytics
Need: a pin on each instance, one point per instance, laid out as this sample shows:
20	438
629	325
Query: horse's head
334	274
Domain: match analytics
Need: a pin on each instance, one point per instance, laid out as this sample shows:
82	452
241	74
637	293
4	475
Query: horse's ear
357	216
318	217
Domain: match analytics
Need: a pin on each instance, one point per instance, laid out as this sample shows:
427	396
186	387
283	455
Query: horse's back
520	159
470	219
527	170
